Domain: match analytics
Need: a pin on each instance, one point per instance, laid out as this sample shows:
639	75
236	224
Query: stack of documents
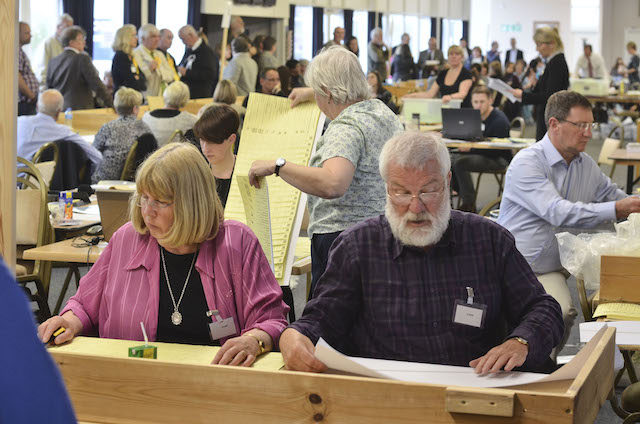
618	311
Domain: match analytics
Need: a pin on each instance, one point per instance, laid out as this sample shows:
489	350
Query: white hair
176	95
424	235
187	29
65	17
50	102
125	100
413	149
147	30
336	72
375	32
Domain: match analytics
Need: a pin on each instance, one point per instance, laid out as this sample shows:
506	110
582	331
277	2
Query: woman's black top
194	327
403	68
385	96
555	78
122	74
452	89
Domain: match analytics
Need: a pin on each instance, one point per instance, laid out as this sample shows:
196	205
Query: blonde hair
176	95
548	35
178	173
125	100
631	45
454	49
225	92
122	39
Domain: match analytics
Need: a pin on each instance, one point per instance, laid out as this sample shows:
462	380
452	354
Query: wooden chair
129	169
176	133
490	210
31	208
47	167
609	145
38	156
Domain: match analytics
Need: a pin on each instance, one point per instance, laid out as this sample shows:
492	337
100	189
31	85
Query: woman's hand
300	95
69	321
446	99
517	92
261	168
241	351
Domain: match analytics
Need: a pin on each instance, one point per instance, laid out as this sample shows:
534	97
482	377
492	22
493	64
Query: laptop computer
114	210
462	124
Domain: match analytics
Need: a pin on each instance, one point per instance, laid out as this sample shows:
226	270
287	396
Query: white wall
625	14
504	14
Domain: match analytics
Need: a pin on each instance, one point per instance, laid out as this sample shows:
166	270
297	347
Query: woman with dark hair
352	45
217	130
379	92
402	66
285	80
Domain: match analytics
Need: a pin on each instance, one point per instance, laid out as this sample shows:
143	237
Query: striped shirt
381	299
544	196
122	288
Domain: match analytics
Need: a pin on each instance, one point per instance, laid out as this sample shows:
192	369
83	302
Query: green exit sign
511	28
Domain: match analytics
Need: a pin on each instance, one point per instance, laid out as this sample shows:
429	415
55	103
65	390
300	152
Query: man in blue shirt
393	282
553	187
31	389
35	131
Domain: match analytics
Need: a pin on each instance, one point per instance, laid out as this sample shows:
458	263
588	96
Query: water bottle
68	116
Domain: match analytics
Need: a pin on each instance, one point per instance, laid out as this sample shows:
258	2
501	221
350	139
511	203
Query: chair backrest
516	129
32	213
176	133
608	146
129	168
52	147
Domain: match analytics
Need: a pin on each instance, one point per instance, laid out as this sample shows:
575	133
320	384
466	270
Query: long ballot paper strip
273	129
447	375
257	212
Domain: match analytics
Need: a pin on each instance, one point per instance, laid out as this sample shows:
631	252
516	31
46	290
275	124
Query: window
172	14
42	16
332	18
107	18
361	32
451	33
303	33
419	30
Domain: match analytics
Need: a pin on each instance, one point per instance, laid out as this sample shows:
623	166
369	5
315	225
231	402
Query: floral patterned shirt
357	134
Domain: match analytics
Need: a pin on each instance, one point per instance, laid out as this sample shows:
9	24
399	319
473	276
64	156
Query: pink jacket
122	288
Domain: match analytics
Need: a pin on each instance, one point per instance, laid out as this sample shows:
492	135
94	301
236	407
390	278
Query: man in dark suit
72	73
166	39
199	67
433	53
513	54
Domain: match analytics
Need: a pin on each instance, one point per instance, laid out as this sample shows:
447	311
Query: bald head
50	103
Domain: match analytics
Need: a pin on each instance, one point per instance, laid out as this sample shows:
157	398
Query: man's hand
153	65
517	93
298	352
627	206
509	355
261	168
182	70
300	95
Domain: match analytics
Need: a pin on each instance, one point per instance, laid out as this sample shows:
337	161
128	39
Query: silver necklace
176	316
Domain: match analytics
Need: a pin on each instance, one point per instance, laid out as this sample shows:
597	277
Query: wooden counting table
107	389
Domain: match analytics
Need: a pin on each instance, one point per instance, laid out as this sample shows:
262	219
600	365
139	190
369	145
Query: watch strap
260	343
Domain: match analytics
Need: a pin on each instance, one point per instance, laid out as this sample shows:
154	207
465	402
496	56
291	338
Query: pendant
176	318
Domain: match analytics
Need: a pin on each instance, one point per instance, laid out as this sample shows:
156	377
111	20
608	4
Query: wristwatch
260	343
521	340
279	164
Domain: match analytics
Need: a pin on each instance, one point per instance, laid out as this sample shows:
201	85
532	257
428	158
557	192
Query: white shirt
597	64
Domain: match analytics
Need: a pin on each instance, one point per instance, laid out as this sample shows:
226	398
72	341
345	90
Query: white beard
423	236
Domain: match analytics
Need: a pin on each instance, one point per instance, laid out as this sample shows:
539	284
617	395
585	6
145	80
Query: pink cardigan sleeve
85	304
261	300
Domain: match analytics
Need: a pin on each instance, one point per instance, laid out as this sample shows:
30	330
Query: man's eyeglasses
583	126
153	204
405	199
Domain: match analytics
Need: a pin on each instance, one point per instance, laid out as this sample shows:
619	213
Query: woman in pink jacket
179	268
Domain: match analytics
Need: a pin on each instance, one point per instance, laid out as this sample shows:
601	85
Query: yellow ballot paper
618	311
272	129
256	209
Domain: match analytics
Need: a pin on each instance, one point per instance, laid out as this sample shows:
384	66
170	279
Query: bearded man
424	283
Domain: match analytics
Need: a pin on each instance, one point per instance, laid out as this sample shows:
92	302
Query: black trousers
26	108
320	246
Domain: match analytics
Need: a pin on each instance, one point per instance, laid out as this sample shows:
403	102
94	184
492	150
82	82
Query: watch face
280	162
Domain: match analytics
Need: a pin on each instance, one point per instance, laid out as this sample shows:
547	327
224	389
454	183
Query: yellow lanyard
176	77
134	63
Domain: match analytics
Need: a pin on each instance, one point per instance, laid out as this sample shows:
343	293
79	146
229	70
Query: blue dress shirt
36	130
543	196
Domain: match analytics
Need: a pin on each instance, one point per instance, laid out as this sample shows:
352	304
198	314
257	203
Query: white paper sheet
503	88
446	374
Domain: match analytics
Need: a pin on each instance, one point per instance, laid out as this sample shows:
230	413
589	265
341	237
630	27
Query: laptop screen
462	124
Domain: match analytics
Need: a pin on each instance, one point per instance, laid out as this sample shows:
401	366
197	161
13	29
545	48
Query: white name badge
471	314
223	328
134	69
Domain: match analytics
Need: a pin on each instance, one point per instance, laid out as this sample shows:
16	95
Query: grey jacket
243	72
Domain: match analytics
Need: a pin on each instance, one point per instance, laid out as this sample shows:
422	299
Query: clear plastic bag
580	255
